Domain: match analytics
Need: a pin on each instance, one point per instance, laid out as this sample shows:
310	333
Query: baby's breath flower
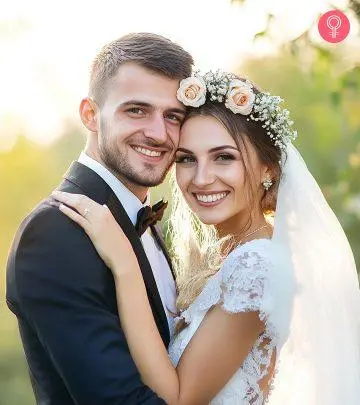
239	97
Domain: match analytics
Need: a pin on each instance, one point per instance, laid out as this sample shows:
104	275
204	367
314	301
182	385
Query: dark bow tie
149	216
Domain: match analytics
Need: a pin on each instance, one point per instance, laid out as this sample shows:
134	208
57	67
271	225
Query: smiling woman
220	177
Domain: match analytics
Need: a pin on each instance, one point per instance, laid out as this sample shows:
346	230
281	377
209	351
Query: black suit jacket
64	298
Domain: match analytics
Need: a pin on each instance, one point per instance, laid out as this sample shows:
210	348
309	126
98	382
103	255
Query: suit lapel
124	221
158	236
97	189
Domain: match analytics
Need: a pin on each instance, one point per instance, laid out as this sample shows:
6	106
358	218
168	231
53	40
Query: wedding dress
252	278
304	283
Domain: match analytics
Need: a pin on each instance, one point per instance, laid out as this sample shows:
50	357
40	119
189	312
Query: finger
106	209
72	200
76	217
80	202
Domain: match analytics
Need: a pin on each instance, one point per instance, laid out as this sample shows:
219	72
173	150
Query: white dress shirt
160	268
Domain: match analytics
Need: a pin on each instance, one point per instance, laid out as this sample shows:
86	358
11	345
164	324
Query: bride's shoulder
253	255
256	276
258	260
250	279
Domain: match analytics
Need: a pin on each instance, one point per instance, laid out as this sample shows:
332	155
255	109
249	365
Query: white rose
240	97
192	91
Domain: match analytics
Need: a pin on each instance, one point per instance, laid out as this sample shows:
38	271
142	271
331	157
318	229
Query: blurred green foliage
27	174
323	97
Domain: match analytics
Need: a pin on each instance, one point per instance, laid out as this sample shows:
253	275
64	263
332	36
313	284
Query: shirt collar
130	202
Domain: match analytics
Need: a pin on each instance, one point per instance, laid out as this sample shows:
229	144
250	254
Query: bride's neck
242	230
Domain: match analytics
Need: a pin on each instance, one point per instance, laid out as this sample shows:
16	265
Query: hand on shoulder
100	225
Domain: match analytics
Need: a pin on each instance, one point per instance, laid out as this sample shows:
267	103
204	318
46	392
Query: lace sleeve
253	278
244	276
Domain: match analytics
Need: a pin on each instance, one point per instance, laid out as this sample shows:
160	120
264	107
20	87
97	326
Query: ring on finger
86	212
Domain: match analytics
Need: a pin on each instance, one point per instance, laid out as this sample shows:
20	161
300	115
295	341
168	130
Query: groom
60	290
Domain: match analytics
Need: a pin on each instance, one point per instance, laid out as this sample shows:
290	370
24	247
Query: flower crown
240	98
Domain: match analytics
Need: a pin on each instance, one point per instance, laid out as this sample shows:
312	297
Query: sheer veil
320	362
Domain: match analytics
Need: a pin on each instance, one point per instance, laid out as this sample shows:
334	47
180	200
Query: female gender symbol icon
334	26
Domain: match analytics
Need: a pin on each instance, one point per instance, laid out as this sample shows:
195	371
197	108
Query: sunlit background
45	52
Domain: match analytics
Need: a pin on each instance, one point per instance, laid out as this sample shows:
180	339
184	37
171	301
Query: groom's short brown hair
150	51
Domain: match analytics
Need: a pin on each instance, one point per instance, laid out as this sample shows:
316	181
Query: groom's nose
156	129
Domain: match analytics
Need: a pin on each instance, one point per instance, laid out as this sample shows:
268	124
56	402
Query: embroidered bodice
251	279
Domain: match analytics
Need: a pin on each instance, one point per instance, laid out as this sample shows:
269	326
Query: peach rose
240	97
192	91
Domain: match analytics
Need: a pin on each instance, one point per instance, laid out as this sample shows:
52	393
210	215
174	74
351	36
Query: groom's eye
174	118
135	111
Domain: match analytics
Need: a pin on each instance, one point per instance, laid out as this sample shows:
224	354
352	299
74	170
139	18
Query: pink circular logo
334	26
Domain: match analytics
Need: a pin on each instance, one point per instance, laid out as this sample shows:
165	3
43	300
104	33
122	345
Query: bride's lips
210	204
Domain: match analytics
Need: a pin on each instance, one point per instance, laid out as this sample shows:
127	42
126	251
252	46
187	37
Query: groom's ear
88	113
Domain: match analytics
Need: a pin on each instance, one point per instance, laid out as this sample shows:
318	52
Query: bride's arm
213	355
137	321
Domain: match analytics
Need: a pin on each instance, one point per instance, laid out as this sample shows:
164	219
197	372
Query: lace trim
241	285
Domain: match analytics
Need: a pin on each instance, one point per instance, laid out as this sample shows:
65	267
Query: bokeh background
45	52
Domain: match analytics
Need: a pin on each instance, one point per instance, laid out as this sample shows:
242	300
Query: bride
268	294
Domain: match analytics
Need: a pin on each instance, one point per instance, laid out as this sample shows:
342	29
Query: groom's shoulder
43	212
44	221
46	216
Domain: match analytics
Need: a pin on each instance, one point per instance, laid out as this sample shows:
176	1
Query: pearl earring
267	184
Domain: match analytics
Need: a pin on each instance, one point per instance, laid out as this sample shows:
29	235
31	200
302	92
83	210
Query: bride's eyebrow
217	148
222	147
184	150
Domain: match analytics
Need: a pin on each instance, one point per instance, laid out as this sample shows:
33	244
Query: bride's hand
98	222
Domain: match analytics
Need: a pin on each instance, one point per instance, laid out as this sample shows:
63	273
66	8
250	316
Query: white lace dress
252	278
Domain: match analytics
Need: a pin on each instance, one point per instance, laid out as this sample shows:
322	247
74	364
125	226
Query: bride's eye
225	157
185	159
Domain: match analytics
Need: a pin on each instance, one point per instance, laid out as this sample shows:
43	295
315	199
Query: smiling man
60	290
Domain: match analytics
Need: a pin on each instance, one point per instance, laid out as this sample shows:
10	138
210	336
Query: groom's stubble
117	159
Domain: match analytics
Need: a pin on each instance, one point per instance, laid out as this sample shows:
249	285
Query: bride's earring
267	184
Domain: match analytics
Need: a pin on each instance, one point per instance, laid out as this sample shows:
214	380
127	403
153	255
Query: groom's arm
64	290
